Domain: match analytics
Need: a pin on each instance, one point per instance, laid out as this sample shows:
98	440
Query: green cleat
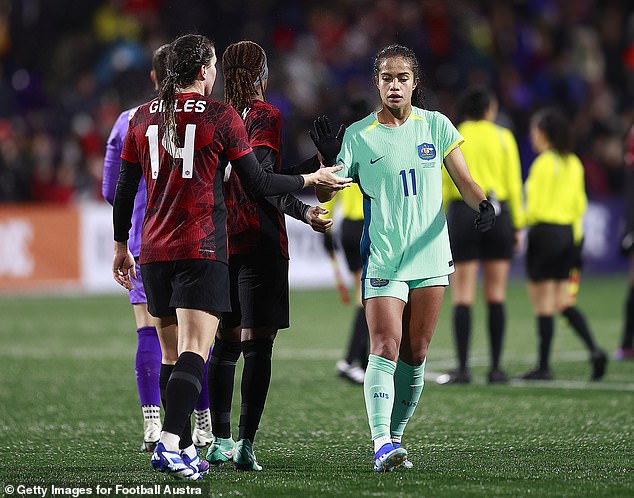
244	456
220	451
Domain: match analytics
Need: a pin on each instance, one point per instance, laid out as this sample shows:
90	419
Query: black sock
221	374
256	378
545	327
580	326
462	331
181	393
358	347
164	376
497	322
628	331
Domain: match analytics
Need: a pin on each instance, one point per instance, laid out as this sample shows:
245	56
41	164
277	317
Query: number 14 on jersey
186	153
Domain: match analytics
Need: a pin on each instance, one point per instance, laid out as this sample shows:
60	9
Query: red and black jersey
185	216
256	225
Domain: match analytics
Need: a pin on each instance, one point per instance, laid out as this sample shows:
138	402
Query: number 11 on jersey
185	153
403	174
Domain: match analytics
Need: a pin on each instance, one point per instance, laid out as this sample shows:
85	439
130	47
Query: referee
555	204
493	159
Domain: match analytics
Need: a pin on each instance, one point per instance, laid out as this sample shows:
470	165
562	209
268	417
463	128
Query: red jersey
186	215
257	226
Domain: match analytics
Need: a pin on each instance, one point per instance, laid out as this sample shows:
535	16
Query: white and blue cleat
172	463
406	463
201	465
389	458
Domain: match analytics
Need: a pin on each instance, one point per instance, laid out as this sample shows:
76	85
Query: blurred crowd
67	69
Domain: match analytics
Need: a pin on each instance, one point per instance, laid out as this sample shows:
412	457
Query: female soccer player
493	159
258	265
555	203
175	142
151	372
396	156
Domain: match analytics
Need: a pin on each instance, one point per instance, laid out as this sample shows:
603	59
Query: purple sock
148	366
203	397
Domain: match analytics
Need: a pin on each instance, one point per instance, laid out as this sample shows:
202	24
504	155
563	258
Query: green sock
378	390
408	386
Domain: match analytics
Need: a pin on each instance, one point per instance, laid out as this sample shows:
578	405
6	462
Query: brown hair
244	66
185	56
410	57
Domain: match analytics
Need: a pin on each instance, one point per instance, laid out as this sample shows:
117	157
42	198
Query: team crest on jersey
426	151
379	282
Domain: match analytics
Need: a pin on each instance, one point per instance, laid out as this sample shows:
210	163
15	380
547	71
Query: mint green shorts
380	287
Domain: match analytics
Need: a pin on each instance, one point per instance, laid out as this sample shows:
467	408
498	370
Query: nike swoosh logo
372	161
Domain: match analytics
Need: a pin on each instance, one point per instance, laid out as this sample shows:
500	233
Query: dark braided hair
243	66
185	57
473	104
408	54
555	127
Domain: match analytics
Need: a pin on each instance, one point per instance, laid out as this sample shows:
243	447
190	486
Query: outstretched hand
327	144
326	179
318	224
486	218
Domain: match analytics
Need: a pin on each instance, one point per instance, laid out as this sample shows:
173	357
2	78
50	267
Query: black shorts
259	292
549	252
468	244
351	231
198	284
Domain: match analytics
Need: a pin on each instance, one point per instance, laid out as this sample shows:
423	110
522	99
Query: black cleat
537	374
497	377
599	361
455	377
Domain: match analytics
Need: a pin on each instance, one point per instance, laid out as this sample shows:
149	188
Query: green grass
69	413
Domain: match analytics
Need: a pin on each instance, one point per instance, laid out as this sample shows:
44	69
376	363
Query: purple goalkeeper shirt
111	166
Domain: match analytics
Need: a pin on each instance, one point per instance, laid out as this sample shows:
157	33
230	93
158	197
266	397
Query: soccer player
352	367
396	156
493	159
258	264
174	142
555	204
150	370
625	351
148	352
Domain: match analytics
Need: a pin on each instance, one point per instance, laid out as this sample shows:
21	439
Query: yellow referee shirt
349	200
555	191
494	163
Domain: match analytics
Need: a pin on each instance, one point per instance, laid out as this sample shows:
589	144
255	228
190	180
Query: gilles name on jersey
190	105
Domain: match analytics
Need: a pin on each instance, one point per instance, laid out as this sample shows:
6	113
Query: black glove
577	259
486	219
327	144
627	243
329	243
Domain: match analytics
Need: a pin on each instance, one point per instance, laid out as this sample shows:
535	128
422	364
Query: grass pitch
69	412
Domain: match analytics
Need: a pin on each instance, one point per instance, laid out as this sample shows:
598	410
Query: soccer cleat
201	465
202	438
622	354
172	463
454	377
151	435
389	458
537	374
220	451
599	360
406	463
348	371
497	377
244	456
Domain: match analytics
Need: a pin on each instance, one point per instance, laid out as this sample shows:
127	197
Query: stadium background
68	68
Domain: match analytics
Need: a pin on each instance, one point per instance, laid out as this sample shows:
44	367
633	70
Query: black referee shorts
198	284
259	292
549	252
351	231
468	244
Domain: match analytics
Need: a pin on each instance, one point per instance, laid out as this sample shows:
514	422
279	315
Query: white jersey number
185	153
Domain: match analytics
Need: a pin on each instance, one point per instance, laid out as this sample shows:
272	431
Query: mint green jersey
399	172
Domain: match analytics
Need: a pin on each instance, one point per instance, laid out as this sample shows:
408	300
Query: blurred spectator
65	68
